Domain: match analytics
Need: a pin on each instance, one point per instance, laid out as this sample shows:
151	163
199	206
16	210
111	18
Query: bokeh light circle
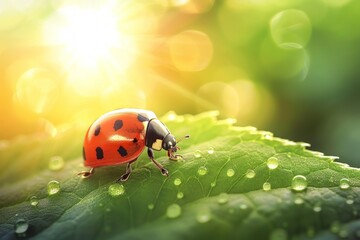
190	50
38	89
242	99
218	96
193	6
290	29
284	63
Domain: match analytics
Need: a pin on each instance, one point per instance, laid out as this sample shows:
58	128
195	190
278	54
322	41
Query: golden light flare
190	50
99	42
37	90
241	99
193	6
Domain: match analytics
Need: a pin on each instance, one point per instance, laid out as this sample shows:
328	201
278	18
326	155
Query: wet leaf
216	192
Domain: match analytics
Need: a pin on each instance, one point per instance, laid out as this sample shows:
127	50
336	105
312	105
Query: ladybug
121	135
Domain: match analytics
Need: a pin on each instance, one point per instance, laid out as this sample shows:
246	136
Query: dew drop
266	186
151	206
243	206
317	207
56	163
203	216
350	200
210	150
197	154
230	172
213	184
298	200
344	183
177	181
53	187
223	198
21	227
173	211
34	201
107	210
272	163
299	183
180	195
202	170
250	173
116	189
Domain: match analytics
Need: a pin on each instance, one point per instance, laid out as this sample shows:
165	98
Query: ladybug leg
86	174
158	165
173	156
126	175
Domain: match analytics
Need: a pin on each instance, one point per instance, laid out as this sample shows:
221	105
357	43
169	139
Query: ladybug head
169	143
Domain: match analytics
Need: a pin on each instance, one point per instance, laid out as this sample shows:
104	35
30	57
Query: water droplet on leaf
230	172
223	198
266	186
210	150
197	154
21	227
53	187
151	206
56	163
344	183
298	200
317	207
180	195
173	211
34	201
272	163
202	170
250	173
116	189
299	183
350	200
177	181
243	206
203	215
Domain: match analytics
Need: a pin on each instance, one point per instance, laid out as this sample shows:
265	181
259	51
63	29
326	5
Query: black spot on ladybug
122	151
97	130
134	140
142	118
118	124
84	157
99	153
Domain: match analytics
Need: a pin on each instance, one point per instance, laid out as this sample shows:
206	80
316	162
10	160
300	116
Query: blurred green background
286	66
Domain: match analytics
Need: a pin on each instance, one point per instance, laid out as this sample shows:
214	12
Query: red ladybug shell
116	137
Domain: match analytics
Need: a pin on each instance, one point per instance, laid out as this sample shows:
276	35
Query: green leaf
207	195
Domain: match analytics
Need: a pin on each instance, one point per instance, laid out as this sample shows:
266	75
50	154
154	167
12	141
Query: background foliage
285	66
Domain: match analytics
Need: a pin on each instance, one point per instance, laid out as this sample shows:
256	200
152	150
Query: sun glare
94	49
89	34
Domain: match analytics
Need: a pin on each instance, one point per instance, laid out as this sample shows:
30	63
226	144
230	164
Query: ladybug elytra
121	135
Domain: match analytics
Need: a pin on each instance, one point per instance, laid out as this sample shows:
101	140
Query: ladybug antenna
182	138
